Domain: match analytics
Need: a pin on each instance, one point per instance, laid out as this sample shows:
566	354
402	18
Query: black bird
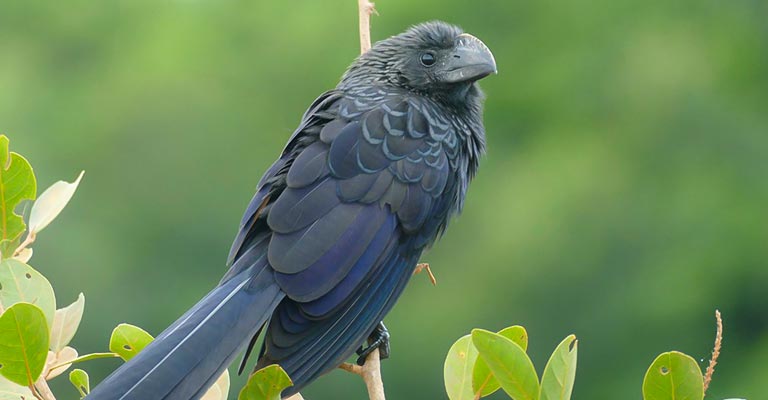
368	180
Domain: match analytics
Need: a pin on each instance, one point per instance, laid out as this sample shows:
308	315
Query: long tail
190	355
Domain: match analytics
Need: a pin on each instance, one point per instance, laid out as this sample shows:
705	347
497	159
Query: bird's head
434	58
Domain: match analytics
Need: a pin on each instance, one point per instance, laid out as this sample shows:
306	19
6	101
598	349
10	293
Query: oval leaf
65	323
483	382
128	340
673	376
59	362
457	371
266	384
21	283
23	343
51	203
560	372
81	381
17	183
220	389
509	364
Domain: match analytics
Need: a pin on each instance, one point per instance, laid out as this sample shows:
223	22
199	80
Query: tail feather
325	344
190	355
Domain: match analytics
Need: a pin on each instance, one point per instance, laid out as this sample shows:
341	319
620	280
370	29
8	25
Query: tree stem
371	374
365	9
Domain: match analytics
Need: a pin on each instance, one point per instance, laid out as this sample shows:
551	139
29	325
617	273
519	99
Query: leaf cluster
483	362
34	334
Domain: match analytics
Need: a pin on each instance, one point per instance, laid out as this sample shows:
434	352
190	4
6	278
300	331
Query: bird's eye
428	59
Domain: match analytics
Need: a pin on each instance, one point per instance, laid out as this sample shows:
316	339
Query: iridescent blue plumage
366	183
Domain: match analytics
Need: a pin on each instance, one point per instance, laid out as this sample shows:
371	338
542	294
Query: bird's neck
469	112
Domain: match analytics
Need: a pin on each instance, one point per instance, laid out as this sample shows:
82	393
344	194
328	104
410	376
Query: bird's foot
379	339
425	267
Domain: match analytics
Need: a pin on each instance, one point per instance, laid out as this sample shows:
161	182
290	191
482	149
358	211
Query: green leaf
560	372
65	323
50	204
457	371
509	364
220	389
266	384
23	343
17	183
12	391
483	382
21	283
81	381
128	340
673	376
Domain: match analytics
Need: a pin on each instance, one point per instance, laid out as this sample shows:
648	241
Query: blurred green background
624	196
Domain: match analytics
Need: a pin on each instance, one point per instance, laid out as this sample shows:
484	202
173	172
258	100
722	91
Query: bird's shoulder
380	112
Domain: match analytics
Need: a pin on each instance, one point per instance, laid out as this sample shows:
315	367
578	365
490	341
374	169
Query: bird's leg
425	267
379	339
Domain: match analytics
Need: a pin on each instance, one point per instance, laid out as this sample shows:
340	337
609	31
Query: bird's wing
367	177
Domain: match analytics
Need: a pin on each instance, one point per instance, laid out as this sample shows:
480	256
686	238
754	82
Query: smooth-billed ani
368	180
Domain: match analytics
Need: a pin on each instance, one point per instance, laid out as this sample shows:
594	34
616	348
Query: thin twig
371	374
28	241
352	368
425	266
715	352
365	9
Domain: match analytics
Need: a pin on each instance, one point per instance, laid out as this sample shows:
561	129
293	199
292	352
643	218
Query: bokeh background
624	196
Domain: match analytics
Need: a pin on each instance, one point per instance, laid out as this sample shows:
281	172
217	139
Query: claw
379	339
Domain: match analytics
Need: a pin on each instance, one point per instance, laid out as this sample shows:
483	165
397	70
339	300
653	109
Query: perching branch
371	374
715	352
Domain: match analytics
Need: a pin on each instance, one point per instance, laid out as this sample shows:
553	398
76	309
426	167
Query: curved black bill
471	60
